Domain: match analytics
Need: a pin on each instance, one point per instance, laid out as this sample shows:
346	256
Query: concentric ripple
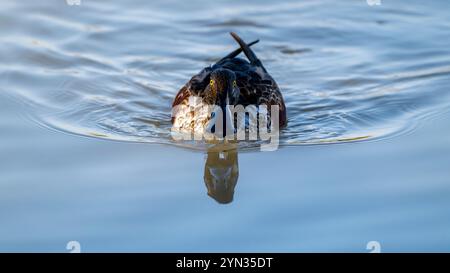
92	71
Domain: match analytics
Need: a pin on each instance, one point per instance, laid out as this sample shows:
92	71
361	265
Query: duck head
224	92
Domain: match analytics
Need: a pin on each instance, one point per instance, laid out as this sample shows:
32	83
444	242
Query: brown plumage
253	83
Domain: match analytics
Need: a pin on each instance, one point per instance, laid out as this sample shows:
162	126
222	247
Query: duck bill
227	121
224	107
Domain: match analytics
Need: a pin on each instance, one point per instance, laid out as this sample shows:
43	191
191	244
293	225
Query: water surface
111	71
350	73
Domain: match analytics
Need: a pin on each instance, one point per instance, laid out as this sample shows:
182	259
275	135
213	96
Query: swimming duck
230	81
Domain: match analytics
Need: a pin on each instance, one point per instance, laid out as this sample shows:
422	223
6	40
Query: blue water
369	82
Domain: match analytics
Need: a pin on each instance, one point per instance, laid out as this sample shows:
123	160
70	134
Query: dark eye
211	82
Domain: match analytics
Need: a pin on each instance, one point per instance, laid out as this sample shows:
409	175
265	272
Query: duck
229	81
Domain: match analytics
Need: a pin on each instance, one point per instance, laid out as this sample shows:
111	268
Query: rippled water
112	70
349	72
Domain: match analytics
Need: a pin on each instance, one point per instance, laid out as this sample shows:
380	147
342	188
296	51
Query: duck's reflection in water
221	173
